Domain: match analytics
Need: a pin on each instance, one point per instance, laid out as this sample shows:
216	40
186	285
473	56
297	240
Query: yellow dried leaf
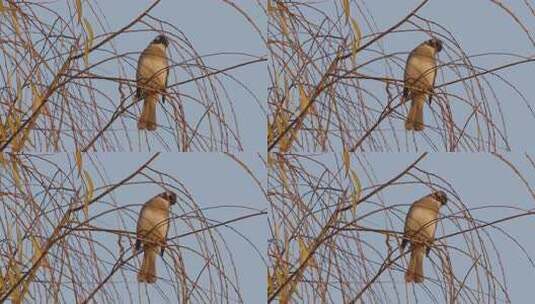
269	284
283	176
286	141
79	11
303	252
303	98
15	173
3	131
36	96
18	145
284	296
89	41
269	7
14	122
346	160
14	19
270	160
292	136
16	296
282	124
282	18
20	239
79	161
284	145
357	189
269	131
36	249
37	252
2	10
282	274
89	192
37	100
358	36
3	162
14	275
347	12
19	89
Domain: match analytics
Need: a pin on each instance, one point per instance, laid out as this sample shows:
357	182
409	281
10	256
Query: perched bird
152	228
151	78
420	74
420	226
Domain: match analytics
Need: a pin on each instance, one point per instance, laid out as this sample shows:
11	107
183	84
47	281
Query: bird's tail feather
415	119
147	273
415	271
147	120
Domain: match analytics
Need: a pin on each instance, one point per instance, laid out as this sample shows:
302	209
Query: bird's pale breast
152	68
420	71
422	220
153	220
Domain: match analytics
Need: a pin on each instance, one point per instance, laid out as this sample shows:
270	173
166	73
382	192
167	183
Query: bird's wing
420	69
406	76
166	84
141	63
152	68
434	83
407	227
140	220
165	239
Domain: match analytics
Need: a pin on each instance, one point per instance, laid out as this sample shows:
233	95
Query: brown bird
420	74
420	226
151	78
152	228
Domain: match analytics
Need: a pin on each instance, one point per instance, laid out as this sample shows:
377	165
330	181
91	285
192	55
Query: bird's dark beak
443	197
169	196
172	198
437	44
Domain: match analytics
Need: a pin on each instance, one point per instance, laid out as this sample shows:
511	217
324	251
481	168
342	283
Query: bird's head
169	196
435	43
161	39
440	196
